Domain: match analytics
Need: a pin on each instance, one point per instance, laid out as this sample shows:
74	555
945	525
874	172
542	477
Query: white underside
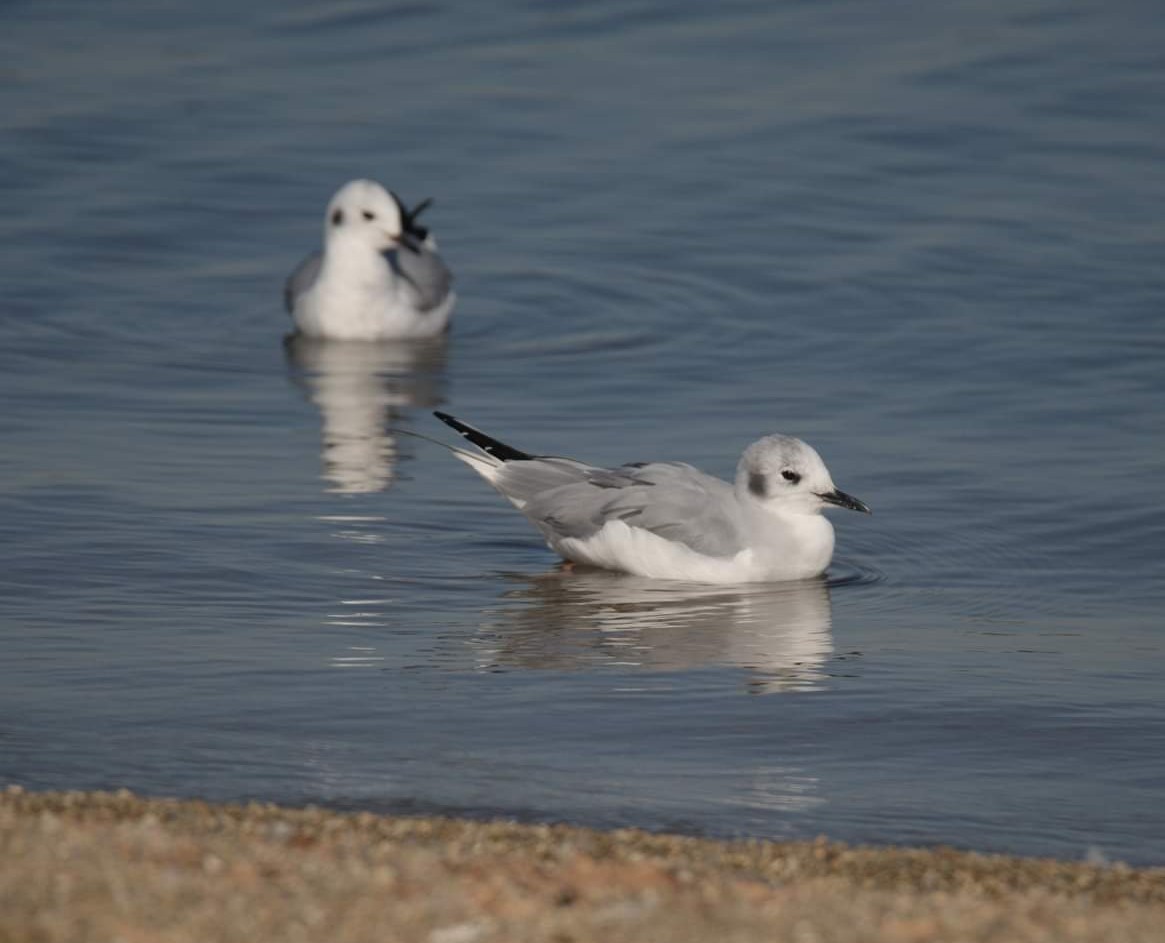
617	546
378	311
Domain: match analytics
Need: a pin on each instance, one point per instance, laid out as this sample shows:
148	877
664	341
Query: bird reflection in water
583	619
361	388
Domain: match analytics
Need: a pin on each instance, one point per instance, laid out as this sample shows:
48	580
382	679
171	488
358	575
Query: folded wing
670	499
427	276
301	279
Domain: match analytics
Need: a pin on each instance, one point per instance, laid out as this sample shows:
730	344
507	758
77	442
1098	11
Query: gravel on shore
116	868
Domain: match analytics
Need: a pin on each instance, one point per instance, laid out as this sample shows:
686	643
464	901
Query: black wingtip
420	208
488	444
408	218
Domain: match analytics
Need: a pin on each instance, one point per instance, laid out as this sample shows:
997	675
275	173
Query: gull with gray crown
669	520
379	276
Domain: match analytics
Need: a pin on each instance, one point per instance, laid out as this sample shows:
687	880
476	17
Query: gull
379	276
669	520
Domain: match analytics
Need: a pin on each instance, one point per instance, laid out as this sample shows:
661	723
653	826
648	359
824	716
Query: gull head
787	476
364	213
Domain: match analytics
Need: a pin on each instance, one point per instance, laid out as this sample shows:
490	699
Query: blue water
926	238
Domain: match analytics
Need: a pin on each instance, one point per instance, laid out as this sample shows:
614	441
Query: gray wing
301	279
526	481
428	275
671	499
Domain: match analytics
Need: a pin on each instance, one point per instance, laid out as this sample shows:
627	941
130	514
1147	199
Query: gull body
669	520
378	277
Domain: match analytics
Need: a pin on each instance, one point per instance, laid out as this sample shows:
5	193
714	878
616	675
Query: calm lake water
927	238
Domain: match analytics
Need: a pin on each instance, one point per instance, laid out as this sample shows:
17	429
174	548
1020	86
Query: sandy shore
113	867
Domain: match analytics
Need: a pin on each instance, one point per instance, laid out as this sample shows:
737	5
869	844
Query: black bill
843	500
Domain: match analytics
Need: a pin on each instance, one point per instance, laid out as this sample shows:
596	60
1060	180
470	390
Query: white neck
784	535
356	262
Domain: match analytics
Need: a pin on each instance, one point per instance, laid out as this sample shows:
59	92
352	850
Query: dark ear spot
757	484
337	217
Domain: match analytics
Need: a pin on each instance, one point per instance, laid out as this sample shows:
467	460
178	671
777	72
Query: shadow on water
585	619
847	573
361	389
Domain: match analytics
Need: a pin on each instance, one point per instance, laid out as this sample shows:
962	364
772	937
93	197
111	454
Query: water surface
926	240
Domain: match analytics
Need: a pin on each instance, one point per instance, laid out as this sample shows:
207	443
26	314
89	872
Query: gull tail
491	446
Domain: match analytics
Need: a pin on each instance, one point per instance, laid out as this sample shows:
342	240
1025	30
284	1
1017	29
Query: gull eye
337	217
369	215
790	476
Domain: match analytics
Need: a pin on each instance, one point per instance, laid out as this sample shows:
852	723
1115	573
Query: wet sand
109	867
